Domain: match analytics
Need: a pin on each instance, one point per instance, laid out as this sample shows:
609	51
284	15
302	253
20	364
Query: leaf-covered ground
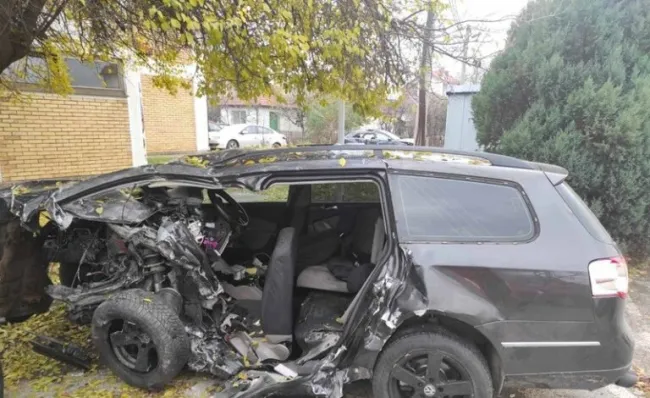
27	373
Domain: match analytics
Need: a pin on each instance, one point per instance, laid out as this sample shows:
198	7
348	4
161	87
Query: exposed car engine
175	253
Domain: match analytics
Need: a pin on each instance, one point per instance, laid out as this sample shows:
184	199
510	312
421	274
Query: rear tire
403	366
232	144
277	145
142	340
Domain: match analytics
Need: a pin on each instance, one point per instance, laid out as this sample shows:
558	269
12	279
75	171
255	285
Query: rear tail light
609	277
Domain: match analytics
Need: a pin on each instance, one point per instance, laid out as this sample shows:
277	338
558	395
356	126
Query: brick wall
48	136
169	125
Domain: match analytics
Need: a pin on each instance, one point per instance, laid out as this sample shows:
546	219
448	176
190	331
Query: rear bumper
574	355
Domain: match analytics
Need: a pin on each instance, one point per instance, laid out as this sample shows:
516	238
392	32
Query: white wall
136	128
201	119
287	125
460	133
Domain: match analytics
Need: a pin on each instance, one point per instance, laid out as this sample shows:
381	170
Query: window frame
238	112
78	89
400	217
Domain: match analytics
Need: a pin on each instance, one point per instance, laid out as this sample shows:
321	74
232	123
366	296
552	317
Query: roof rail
493	158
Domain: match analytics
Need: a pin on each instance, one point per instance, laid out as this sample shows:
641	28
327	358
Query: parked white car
246	135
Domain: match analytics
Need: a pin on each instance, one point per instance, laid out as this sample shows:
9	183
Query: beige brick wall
169	125
48	136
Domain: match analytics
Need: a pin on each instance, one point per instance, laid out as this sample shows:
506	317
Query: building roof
265	101
463	89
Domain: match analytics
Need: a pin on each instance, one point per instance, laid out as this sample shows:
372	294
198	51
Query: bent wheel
134	348
140	338
431	364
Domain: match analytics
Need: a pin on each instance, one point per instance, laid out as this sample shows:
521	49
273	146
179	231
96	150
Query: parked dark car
376	137
434	273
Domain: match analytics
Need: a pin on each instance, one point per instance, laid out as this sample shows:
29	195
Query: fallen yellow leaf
43	218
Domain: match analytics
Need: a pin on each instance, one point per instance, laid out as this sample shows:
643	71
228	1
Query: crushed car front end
140	258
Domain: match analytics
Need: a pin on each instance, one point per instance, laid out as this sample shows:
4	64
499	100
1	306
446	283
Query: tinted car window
364	192
441	209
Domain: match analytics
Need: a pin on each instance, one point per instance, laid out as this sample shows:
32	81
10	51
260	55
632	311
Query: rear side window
583	213
443	209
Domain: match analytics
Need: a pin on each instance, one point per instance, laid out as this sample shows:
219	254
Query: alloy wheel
429	374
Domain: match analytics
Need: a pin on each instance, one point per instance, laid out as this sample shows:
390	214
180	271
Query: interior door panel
340	216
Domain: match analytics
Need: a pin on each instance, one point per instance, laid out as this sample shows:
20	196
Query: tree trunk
424	71
19	27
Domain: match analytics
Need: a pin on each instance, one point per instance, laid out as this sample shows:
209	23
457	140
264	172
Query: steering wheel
231	211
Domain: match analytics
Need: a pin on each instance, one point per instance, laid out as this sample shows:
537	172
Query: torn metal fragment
69	353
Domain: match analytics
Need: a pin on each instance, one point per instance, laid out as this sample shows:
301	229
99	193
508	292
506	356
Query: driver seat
277	297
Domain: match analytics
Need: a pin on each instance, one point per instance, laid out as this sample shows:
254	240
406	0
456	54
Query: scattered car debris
65	352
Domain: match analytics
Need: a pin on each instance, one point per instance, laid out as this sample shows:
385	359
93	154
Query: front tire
140	339
431	364
232	144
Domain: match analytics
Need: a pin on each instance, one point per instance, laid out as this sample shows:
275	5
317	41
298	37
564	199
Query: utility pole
468	33
341	129
425	70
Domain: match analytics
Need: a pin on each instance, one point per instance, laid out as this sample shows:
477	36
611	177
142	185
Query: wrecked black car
433	273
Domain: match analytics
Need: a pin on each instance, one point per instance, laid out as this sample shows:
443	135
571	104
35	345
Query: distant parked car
215	126
376	137
246	135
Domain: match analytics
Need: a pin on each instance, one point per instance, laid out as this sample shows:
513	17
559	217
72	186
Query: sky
495	32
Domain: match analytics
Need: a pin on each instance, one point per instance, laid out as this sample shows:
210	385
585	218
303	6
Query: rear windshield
583	213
